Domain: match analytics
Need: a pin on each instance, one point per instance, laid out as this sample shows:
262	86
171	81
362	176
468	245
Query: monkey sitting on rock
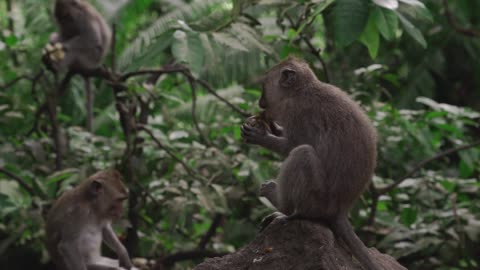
80	220
329	144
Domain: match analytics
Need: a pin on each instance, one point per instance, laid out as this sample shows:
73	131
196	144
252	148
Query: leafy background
412	64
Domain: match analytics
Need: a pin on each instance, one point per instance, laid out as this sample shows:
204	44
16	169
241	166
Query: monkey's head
283	81
107	193
66	9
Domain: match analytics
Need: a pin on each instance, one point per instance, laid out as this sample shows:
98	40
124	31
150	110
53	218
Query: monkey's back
83	19
61	220
344	139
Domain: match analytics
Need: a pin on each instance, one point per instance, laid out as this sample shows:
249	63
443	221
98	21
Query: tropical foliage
412	64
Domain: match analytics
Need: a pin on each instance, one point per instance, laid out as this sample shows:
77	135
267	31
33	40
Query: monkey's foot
268	219
268	188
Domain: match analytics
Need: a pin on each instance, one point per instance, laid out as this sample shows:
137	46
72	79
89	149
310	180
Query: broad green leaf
350	18
386	21
187	48
408	216
228	40
412	30
416	9
370	37
390	4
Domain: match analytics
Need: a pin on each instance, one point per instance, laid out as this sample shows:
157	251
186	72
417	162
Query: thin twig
20	181
215	94
469	32
182	69
11	27
216	222
425	162
14	81
317	53
189	170
164	70
192	83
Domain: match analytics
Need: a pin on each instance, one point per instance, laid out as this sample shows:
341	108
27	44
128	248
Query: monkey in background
82	41
330	146
81	219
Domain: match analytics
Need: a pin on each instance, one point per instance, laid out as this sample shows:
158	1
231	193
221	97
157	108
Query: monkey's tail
343	229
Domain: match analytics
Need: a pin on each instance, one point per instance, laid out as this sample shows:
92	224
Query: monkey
81	219
82	41
330	149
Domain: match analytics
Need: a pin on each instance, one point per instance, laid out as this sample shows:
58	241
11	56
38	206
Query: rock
297	244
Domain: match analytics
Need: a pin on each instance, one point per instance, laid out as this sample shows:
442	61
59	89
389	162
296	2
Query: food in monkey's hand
53	54
259	121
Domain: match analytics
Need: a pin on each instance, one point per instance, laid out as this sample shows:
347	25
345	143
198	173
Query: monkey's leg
301	184
70	253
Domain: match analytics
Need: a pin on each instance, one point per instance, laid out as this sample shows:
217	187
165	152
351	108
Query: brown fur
330	146
84	34
81	218
80	45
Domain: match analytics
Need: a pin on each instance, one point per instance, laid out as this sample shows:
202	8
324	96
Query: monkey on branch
80	45
330	149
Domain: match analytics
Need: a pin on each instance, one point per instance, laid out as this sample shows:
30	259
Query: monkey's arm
71	255
265	139
112	242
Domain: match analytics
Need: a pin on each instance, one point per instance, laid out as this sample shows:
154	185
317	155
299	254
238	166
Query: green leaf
350	18
187	48
370	37
412	30
408	216
386	21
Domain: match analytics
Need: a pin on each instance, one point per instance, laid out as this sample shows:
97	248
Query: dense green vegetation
414	65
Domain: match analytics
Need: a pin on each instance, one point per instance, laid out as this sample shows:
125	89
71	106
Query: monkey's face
110	194
277	86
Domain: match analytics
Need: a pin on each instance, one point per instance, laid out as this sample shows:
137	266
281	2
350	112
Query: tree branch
22	183
11	27
189	170
216	222
420	165
469	32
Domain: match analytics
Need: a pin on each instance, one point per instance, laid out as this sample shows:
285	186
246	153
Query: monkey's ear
96	187
288	77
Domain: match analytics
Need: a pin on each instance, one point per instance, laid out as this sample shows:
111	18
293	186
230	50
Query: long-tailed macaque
82	41
81	219
330	146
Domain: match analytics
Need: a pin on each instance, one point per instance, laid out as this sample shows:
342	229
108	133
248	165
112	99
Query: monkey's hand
264	137
253	133
126	263
52	55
